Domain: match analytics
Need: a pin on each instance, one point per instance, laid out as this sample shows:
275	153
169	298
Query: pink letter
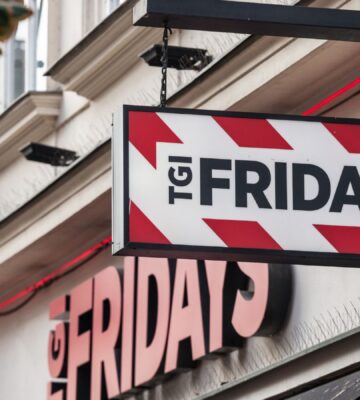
149	357
249	313
79	343
58	347
215	273
127	325
107	288
186	320
58	339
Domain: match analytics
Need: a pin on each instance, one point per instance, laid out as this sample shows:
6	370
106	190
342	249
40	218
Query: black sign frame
209	252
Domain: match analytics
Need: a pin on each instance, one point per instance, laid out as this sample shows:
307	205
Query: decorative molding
106	54
32	117
113	47
67	204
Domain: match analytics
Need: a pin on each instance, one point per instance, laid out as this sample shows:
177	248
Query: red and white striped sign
241	186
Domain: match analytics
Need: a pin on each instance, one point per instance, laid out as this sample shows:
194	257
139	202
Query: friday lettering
125	330
222	174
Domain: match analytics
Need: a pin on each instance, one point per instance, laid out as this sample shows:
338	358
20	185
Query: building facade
55	221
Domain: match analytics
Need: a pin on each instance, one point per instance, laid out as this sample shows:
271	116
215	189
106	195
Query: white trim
9	72
31	49
117	162
31	118
111	5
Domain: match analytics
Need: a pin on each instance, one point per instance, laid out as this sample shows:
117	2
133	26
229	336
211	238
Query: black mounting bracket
180	58
251	18
55	156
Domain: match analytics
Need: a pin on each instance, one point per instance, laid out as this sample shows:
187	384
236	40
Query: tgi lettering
179	176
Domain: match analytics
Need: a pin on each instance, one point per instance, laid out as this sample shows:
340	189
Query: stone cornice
64	204
31	118
103	56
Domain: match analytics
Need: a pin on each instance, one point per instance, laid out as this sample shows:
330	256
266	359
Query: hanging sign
223	185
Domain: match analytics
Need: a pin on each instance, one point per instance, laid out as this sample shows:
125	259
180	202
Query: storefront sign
123	332
221	185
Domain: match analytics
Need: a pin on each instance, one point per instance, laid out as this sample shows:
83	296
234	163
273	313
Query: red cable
332	97
87	253
58	272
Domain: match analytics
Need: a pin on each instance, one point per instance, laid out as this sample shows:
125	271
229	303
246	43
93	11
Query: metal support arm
252	18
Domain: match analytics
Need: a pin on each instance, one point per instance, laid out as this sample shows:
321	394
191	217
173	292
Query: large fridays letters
129	329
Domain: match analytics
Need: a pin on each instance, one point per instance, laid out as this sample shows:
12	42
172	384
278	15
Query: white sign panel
237	186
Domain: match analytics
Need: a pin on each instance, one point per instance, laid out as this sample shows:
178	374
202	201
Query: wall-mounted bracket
252	18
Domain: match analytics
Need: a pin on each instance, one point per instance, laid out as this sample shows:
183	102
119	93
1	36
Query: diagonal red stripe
142	230
146	129
347	135
242	234
345	239
247	132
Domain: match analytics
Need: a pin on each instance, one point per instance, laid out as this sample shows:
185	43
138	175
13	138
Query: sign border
125	247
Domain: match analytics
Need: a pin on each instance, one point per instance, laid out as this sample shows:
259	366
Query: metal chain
164	61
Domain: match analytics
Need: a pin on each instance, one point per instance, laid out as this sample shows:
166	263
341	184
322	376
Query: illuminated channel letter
80	341
186	318
152	317
58	348
249	309
106	334
215	273
127	341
